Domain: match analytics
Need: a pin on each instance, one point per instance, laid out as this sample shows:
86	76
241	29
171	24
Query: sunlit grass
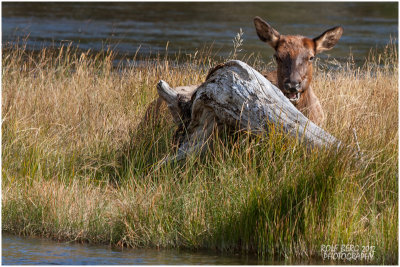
78	162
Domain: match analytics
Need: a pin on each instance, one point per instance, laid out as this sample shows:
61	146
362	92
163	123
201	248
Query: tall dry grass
78	164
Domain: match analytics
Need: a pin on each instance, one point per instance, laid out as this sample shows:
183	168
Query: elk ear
328	39
265	32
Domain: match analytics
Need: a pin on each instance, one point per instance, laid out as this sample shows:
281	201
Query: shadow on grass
274	218
102	163
149	143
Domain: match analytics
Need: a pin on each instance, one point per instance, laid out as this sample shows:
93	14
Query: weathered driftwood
237	96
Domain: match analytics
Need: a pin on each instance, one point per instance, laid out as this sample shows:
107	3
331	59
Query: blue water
38	251
187	27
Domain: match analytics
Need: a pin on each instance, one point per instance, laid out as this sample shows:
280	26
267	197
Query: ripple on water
22	250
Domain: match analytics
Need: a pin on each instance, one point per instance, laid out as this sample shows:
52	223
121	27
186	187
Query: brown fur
294	55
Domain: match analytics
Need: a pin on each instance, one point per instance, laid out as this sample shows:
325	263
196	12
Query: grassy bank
79	164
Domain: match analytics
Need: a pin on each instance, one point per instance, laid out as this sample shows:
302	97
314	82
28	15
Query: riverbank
79	163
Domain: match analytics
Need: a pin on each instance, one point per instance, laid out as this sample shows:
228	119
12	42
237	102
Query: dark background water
189	26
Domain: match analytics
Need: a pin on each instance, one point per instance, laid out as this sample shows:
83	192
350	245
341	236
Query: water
29	251
186	27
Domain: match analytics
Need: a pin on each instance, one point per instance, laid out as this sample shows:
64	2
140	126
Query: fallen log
237	96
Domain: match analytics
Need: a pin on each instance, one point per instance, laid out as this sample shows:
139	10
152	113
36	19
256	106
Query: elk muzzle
292	91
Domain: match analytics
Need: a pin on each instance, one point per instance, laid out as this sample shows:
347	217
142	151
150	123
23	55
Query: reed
78	162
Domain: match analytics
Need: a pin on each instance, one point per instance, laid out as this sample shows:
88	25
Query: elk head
294	55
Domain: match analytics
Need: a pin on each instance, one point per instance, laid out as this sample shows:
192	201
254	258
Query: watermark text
347	252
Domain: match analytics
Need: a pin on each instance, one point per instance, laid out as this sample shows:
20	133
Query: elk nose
292	87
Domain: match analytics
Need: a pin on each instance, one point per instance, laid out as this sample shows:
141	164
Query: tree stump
237	96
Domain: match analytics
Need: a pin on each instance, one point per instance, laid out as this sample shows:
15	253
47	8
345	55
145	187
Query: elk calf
294	55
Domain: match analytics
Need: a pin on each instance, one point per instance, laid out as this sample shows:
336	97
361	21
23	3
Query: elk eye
311	58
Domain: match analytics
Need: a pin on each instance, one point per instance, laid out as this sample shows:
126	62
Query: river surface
17	250
146	28
33	251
